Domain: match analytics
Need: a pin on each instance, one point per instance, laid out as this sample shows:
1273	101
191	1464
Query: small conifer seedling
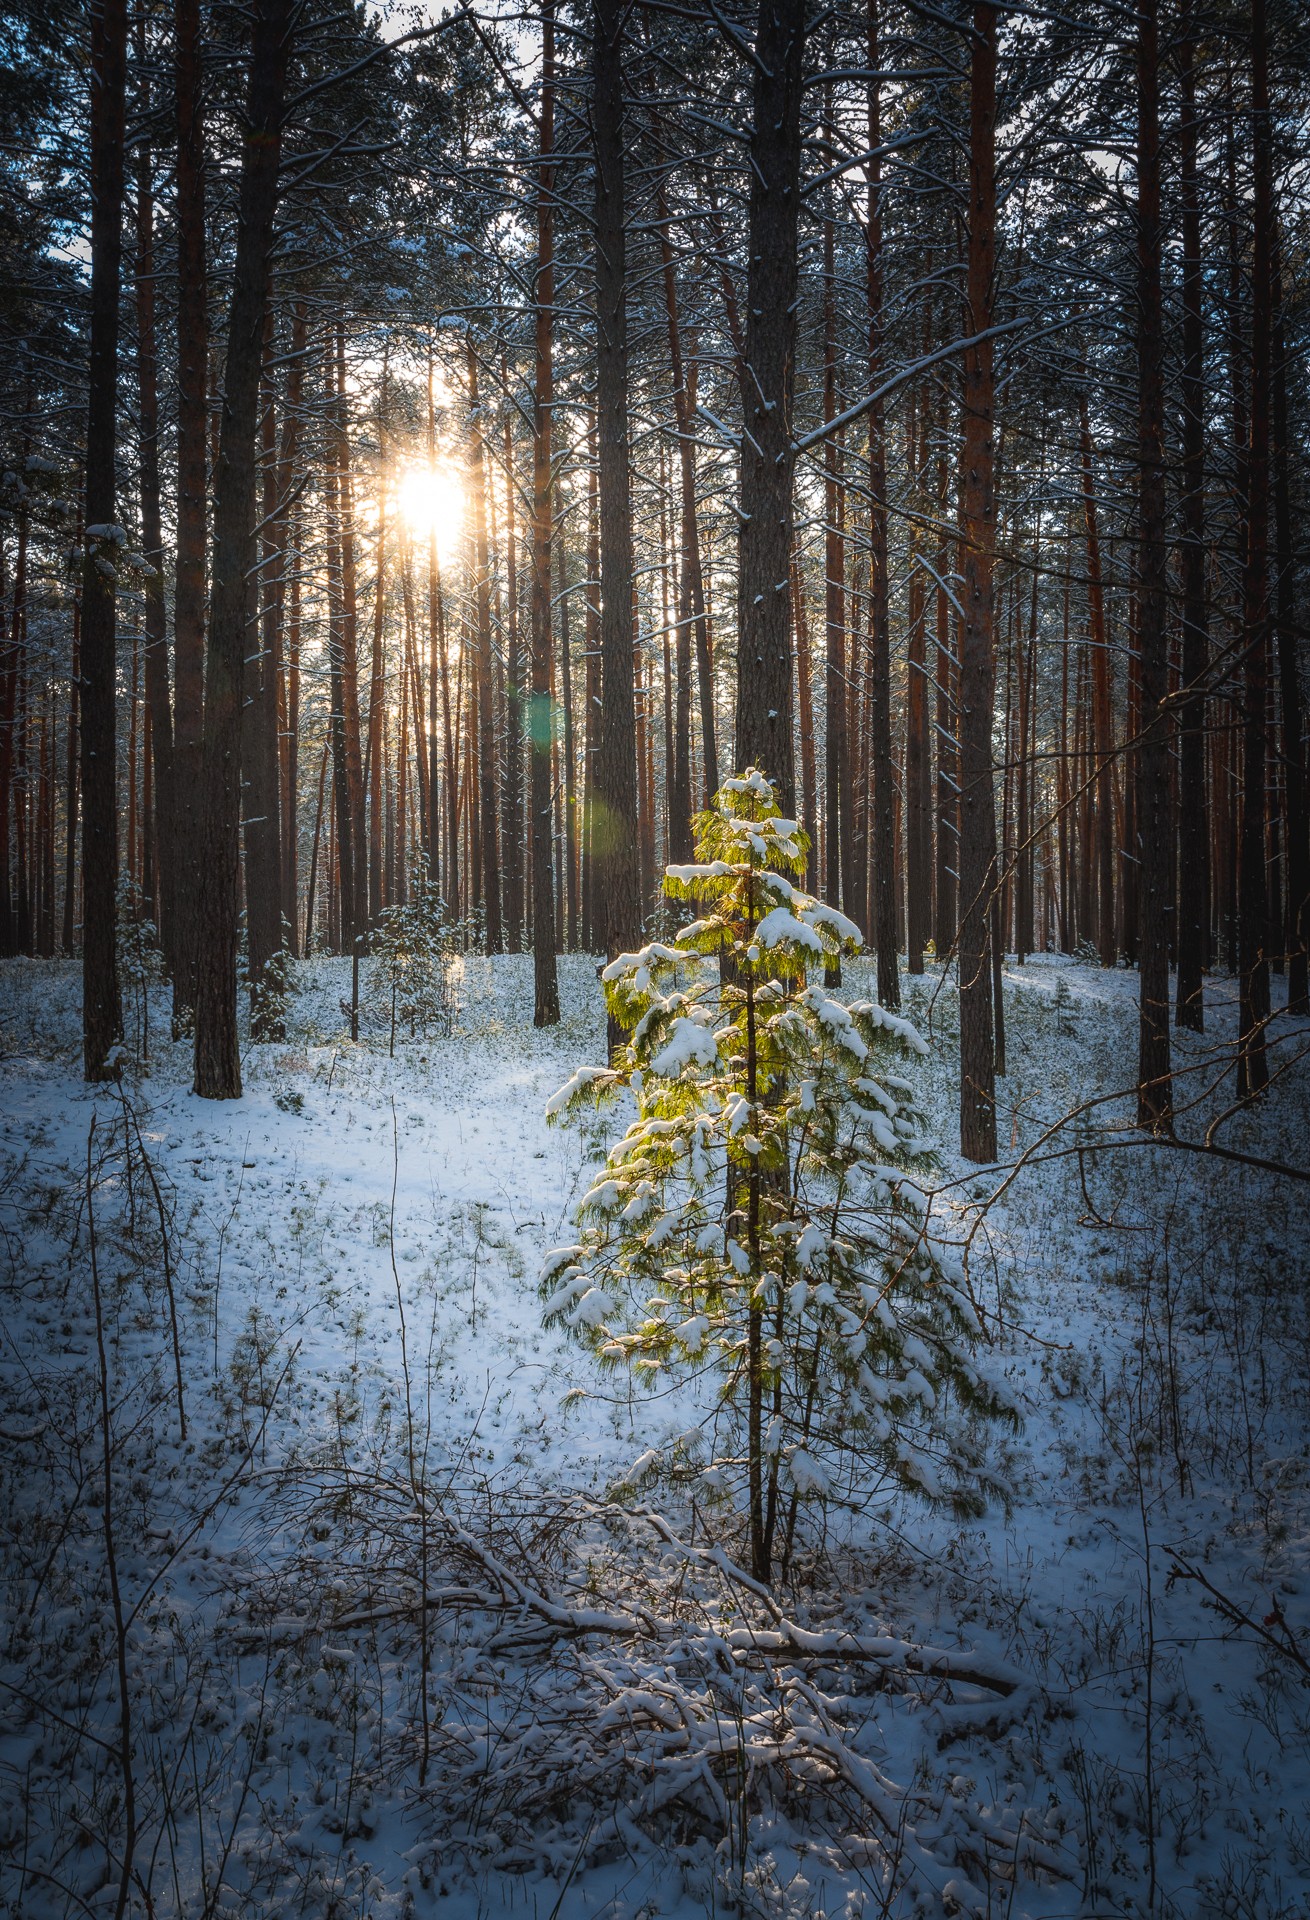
760	1218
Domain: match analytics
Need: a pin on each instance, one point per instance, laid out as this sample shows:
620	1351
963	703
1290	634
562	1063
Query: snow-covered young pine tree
759	1218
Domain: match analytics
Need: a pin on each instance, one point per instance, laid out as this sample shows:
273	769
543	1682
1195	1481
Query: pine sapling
415	953
759	1220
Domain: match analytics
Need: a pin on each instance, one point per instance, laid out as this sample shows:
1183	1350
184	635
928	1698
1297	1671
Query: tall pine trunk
918	761
1101	797
948	826
260	784
158	693
339	877
805	724
691	588
764	662
488	855
192	495
218	1060
1297	934
289	708
354	871
978	640
517	680
541	729
592	931
10	664
1154	1093
102	1007
880	847
1193	819
373	767
613	823
837	783
1253	903
71	789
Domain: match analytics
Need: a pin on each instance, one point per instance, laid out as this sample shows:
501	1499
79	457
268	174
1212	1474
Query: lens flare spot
431	502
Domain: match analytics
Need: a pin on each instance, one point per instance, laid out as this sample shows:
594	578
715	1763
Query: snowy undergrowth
389	1648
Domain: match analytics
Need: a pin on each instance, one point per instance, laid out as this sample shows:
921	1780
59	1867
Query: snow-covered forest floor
390	1647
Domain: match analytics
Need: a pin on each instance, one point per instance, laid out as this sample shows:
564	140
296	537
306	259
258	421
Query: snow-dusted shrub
1062	1005
272	994
141	966
760	1219
415	957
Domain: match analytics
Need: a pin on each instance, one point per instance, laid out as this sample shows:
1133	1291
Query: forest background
445	447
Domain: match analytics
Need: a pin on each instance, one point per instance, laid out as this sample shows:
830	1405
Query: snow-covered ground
391	1651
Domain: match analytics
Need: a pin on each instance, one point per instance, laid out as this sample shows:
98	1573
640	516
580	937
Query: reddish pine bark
880	847
1101	798
541	729
1253	902
374	769
488	853
764	662
354	874
192	495
160	817
517	696
102	1009
1193	816
217	1056
260	785
691	590
977	642
613	822
1297	932
1154	1092
948	826
837	782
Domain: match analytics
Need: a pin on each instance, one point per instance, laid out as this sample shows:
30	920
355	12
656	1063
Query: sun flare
431	502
